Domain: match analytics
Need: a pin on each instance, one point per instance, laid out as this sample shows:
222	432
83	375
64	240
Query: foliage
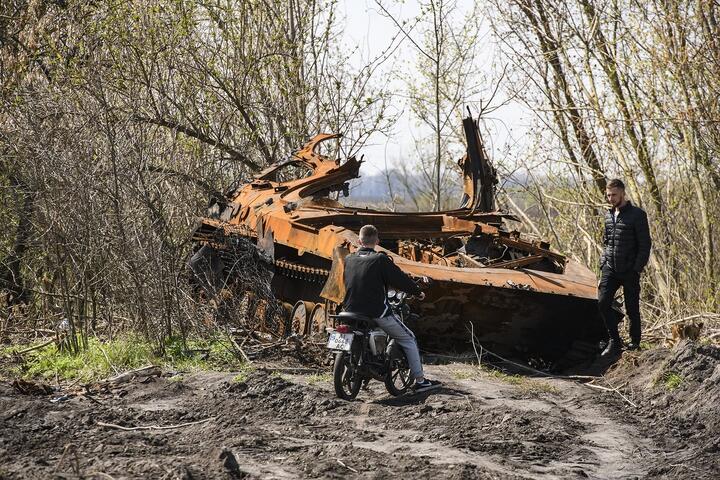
94	363
119	119
527	385
620	89
671	380
102	359
319	378
441	80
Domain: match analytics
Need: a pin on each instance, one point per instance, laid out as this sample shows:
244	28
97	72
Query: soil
290	425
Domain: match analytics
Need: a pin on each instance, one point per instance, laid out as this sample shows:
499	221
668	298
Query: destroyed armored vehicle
515	294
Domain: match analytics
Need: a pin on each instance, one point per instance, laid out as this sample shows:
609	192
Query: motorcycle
365	352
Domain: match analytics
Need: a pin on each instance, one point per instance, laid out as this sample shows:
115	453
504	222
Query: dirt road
279	425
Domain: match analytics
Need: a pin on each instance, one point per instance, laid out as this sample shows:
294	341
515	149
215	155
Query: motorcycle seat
353	317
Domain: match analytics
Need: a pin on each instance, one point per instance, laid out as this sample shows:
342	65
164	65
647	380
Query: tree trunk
550	48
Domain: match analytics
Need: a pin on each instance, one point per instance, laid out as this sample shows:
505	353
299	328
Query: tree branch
190	132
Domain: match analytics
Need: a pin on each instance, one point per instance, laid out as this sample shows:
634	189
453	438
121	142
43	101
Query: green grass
245	370
533	386
96	362
103	359
525	384
671	380
319	378
469	374
281	375
500	375
200	354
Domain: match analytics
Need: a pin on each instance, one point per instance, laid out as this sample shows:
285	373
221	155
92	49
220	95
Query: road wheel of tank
318	320
300	317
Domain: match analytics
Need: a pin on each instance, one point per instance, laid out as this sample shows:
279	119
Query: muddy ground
289	425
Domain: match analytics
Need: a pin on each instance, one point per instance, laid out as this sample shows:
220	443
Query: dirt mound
677	392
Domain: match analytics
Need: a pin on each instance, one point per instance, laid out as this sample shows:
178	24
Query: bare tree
443	79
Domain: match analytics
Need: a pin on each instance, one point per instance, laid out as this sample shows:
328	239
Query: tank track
300	271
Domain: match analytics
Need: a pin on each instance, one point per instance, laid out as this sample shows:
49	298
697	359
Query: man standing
367	276
626	252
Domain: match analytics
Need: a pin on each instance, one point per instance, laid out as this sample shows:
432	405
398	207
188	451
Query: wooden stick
268	347
691	317
91	398
617	390
599	387
538	372
296	370
147	371
35	347
239	349
152	427
349	468
472	336
105	475
67	448
612	389
469	403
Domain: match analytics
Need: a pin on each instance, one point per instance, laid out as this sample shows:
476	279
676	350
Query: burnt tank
516	294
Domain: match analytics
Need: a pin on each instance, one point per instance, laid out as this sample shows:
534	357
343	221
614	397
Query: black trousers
609	284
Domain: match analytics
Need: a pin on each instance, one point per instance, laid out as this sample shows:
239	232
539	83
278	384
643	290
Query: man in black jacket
367	276
626	252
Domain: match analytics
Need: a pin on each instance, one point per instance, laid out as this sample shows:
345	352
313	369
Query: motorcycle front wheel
346	378
398	378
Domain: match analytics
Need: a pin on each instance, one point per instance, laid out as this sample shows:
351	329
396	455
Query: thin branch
407	34
152	427
190	132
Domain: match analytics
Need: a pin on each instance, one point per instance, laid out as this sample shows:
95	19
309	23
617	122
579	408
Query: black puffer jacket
627	240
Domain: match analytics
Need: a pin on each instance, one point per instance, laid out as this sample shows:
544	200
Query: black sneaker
633	346
425	385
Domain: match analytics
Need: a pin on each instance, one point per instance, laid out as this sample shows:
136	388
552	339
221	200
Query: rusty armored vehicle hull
515	294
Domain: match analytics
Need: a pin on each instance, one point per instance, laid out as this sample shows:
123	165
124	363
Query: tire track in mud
603	447
606	448
598	446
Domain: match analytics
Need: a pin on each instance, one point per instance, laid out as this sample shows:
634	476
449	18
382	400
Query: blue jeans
403	336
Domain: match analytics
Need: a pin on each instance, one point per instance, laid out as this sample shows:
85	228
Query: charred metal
518	294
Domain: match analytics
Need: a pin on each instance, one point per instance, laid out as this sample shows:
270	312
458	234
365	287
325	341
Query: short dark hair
616	183
368	233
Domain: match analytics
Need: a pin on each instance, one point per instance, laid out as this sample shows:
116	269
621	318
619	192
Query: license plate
340	341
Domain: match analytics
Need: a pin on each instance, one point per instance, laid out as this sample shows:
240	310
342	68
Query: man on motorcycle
368	274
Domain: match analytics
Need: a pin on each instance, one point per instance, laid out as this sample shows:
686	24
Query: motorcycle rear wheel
346	378
398	378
